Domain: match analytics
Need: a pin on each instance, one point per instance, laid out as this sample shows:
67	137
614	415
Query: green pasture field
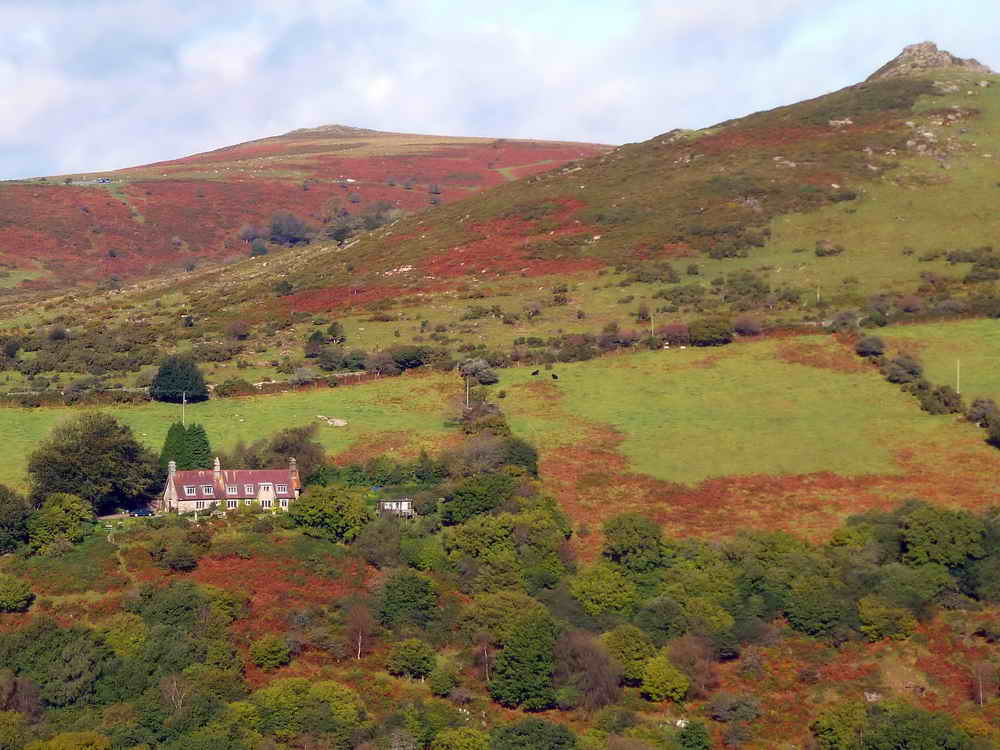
410	407
689	415
967	348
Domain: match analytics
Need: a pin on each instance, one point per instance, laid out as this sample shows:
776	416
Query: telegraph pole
958	376
183	408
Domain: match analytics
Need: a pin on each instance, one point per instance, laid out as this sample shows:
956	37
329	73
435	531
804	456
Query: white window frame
199	505
265	504
208	489
248	489
284	503
248	501
231	504
232	489
282	488
190	490
266	486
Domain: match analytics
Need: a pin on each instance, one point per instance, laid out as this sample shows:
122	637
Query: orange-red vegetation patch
276	586
504	246
808	505
822	357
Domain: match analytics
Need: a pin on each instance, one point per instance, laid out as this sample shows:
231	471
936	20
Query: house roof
199	478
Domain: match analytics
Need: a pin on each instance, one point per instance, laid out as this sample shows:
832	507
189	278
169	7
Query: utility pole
183	408
958	376
468	404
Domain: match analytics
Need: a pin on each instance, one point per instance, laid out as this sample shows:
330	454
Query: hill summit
916	58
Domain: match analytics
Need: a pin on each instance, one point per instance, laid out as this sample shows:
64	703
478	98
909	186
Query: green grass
411	407
975	344
686	416
680	415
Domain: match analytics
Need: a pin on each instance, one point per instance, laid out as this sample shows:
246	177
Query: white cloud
88	86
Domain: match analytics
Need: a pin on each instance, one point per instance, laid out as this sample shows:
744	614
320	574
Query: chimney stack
217	470
293	469
171	468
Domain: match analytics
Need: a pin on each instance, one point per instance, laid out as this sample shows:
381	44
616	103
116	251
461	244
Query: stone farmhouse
228	489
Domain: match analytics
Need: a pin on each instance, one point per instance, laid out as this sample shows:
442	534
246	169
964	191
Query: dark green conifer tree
198	452
174	447
178	378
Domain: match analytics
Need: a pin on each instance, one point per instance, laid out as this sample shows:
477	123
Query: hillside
163	217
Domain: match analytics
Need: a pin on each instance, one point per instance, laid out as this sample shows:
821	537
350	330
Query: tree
336	512
536	734
96	457
174	446
694	737
477	495
950	537
178	379
14	512
198	452
270	651
411	658
407	597
61	517
523	672
461	739
587	671
15	594
603	588
632	648
879	619
633	541
74	741
662	681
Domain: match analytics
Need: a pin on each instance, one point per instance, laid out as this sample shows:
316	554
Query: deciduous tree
97	458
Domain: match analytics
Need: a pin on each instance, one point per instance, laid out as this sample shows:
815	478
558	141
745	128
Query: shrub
15	594
726	707
442	681
747	325
981	411
710	332
270	652
661	680
870	346
902	369
411	658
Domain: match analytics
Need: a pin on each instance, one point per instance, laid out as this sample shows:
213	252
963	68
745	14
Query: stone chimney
293	469
217	470
171	469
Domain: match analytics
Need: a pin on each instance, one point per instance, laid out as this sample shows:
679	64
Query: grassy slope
790	433
158	217
975	344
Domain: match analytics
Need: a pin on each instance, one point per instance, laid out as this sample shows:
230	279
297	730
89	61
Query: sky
90	85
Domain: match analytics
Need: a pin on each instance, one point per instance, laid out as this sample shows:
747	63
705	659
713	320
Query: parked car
141	513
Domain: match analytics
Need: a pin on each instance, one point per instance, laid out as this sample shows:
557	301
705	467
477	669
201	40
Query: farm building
205	489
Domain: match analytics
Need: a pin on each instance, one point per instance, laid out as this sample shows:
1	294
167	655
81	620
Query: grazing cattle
535	372
555	377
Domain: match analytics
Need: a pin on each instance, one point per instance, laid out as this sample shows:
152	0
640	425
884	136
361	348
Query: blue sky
87	85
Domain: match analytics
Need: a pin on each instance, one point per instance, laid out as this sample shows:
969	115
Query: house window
248	501
230	504
283	489
248	489
208	489
267	486
232	489
266	503
199	505
190	490
284	503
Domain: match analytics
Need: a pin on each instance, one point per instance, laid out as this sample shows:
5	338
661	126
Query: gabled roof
199	478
